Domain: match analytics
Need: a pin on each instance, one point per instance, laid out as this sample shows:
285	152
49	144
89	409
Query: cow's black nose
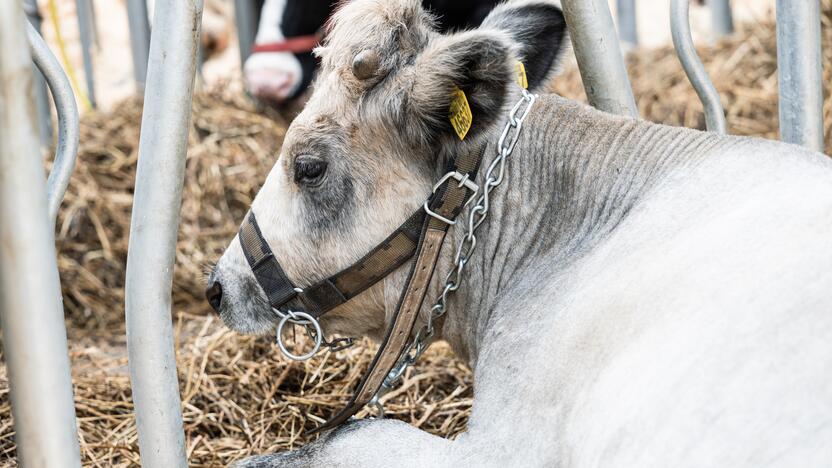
214	295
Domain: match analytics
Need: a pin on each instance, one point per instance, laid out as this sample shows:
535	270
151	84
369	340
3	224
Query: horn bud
365	64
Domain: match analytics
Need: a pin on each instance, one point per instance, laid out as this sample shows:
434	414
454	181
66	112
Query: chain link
476	216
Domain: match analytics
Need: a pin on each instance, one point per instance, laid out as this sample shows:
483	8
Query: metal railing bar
139	25
153	231
627	24
800	73
245	16
722	19
68	123
44	107
31	312
695	70
598	52
86	31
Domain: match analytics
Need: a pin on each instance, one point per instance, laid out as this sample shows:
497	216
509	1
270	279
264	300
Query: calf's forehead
394	28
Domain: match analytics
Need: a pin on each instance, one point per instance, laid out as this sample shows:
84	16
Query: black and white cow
281	65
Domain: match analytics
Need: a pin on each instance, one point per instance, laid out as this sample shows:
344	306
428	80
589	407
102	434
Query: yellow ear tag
520	71
460	113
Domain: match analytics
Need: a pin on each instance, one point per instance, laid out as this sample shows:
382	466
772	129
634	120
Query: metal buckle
464	181
438	216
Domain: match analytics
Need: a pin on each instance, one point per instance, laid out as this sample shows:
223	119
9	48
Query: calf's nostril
214	295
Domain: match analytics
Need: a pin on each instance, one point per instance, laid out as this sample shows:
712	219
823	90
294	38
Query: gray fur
641	295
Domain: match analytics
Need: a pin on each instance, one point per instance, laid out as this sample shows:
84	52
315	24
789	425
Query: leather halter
421	235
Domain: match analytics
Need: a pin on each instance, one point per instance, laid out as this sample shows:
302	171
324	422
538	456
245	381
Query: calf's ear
478	65
481	65
538	29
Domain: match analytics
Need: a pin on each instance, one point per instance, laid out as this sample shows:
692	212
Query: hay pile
231	150
239	396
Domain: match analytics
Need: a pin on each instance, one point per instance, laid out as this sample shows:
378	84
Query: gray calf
641	295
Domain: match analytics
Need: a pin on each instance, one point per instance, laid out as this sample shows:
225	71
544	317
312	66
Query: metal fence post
153	231
245	15
139	39
34	337
85	29
41	97
599	56
68	122
799	72
722	20
627	29
695	70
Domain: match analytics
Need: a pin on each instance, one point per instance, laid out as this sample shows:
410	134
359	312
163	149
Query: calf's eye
309	170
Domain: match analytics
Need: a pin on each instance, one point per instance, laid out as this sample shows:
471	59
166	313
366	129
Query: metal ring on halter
307	320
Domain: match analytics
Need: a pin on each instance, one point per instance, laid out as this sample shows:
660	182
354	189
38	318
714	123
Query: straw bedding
240	396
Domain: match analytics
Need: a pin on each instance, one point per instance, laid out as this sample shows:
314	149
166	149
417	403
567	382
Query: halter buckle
464	181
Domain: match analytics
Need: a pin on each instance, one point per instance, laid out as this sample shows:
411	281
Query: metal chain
476	216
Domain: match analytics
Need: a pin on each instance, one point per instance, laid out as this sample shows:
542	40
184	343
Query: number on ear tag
460	113
520	71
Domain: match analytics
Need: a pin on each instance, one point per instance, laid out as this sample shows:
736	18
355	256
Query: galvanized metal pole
705	89
599	56
139	39
96	36
86	28
722	20
41	97
627	26
68	124
153	231
800	73
245	15
34	338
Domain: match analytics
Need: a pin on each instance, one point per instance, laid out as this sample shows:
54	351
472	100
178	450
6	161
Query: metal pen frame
695	70
31	309
722	18
139	24
153	231
598	52
68	121
800	72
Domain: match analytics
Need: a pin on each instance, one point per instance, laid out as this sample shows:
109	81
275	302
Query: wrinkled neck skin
573	176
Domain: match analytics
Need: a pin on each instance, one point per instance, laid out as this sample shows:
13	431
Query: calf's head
374	136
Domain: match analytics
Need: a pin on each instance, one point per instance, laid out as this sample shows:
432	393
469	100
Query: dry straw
240	396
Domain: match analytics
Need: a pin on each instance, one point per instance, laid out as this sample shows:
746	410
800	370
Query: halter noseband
421	235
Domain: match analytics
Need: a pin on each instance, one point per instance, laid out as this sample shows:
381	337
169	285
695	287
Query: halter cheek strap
421	235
